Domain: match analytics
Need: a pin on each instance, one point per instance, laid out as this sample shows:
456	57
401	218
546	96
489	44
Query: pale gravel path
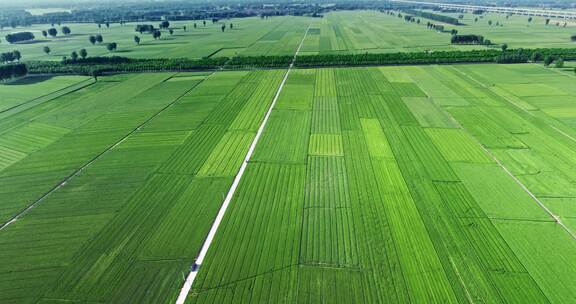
218	220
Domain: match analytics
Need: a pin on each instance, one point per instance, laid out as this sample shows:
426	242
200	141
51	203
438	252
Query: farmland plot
396	184
36	89
339	32
360	31
279	35
370	187
136	217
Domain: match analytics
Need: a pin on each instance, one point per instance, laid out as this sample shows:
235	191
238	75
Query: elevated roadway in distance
500	9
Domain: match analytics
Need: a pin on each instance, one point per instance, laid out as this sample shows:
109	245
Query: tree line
114	64
468	39
432	16
120	12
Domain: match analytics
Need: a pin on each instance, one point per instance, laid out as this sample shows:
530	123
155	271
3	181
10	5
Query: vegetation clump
467	39
433	16
10	71
19	37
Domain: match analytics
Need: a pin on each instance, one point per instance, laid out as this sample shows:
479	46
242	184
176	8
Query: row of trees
548	59
53	32
122	12
546	56
75	55
97	65
436	27
19	37
444	57
10	71
87	65
96	39
409	18
468	39
433	16
145	28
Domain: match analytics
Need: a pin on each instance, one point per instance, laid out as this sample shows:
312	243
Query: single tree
66	30
53	32
559	63
137	40
92	39
536	56
489	22
171	31
204	22
223	27
184	28
99	25
95	73
529	19
164	24
548	60
99	38
17	55
156	35
46	50
231	26
74	56
45	34
504	47
454	32
107	24
83	53
547	21
111	46
573	38
195	25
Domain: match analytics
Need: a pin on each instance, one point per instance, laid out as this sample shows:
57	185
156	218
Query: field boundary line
6	113
94	159
515	105
48	94
220	216
555	217
563	73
